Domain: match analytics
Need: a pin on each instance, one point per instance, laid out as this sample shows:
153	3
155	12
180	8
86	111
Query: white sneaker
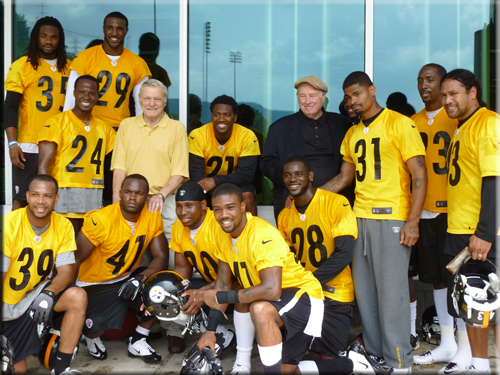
472	370
96	348
68	371
229	339
401	371
141	349
452	368
239	369
423	359
361	361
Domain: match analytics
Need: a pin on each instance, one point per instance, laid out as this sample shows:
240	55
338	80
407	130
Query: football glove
42	307
7	361
131	288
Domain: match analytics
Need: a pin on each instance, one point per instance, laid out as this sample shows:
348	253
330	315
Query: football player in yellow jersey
473	171
385	153
320	229
36	86
37	241
281	292
110	247
436	130
73	145
224	152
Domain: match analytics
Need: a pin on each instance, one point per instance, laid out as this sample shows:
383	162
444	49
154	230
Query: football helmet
430	326
50	340
7	363
202	362
476	292
162	295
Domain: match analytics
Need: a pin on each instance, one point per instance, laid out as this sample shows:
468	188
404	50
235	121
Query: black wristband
227	297
214	318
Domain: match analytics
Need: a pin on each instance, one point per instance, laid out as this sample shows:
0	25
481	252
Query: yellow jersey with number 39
79	161
198	250
32	257
312	236
43	92
380	152
222	159
118	247
473	154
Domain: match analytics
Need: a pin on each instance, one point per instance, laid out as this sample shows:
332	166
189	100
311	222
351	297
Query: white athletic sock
270	355
245	334
448	347
481	364
413	309
142	330
445	319
463	355
308	368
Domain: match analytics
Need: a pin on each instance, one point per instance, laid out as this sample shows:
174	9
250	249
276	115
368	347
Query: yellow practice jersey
222	159
32	257
117	80
43	91
118	247
436	134
473	154
79	161
312	236
198	250
261	246
380	152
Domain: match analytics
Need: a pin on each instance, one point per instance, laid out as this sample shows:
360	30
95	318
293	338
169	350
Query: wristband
161	196
227	297
12	143
214	317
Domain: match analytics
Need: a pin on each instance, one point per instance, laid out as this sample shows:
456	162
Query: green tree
22	35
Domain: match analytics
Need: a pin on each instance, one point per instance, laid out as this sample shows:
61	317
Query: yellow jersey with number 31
79	161
32	257
379	152
43	92
198	250
312	236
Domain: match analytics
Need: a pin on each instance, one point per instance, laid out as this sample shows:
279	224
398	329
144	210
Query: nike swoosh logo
345	205
93	221
254	141
191	137
264	242
47	126
413	126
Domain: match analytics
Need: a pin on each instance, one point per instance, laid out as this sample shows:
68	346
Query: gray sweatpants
380	275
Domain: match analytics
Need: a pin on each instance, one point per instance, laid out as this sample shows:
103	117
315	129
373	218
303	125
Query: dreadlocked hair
34	47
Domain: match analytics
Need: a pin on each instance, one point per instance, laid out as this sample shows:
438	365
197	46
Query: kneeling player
281	292
110	248
189	241
35	240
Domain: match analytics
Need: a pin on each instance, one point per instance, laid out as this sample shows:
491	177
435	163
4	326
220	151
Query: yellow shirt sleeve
343	219
196	141
180	154
14	79
488	147
68	243
344	148
51	131
405	134
119	158
270	250
110	139
95	227
176	233
158	224
251	144
283	219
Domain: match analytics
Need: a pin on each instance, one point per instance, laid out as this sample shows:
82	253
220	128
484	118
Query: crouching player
109	250
36	240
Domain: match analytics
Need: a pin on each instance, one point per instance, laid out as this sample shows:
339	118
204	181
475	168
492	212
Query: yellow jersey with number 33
117	80
118	247
380	152
312	236
32	257
43	93
473	154
261	246
436	135
222	159
79	161
198	251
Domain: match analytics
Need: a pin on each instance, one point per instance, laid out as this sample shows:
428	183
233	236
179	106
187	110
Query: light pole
235	58
207	30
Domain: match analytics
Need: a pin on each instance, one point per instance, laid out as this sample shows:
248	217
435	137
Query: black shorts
412	266
22	332
335	331
22	177
429	249
295	341
106	310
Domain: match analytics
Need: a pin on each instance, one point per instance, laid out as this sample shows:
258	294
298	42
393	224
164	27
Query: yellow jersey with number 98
32	257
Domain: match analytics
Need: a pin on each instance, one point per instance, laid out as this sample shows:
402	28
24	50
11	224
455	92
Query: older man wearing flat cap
312	133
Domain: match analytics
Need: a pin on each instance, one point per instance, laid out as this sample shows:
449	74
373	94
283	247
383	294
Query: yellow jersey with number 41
380	152
43	92
473	154
32	257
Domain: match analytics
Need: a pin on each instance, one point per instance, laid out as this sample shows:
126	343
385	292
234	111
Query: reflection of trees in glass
260	122
22	35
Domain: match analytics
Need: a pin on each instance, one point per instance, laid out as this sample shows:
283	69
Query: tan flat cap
313	81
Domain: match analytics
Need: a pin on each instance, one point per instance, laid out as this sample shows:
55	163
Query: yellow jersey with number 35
198	250
436	135
380	152
43	93
261	246
222	159
118	247
32	257
79	161
312	236
117	80
473	154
